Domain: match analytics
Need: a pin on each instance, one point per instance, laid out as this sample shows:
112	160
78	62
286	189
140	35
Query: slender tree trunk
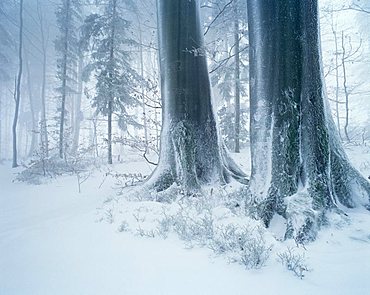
143	102
34	113
157	132
345	87
77	107
110	157
44	131
299	168
191	153
18	85
44	42
64	79
7	141
95	136
337	81
111	94
237	78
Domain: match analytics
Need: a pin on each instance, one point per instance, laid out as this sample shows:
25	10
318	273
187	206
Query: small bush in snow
245	245
124	180
203	220
145	233
255	252
194	228
165	224
124	226
108	215
294	262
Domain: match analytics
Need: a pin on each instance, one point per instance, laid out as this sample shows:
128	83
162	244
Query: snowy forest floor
54	240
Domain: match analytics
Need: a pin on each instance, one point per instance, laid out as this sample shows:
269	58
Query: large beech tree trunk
299	168
191	152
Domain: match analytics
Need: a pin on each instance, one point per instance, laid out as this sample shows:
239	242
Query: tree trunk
143	100
44	43
44	131
110	157
18	85
237	79
34	113
336	80
299	168
345	87
111	94
191	153
64	80
77	107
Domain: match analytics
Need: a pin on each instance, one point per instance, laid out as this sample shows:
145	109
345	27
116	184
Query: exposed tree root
191	161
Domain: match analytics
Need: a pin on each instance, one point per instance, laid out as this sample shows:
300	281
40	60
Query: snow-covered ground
52	242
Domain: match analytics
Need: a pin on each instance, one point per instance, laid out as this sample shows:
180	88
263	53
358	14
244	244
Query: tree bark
299	168
77	107
18	86
191	153
237	78
44	131
345	88
143	100
336	79
64	80
111	94
34	112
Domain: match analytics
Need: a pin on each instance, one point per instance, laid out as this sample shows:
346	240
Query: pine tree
67	45
229	65
106	37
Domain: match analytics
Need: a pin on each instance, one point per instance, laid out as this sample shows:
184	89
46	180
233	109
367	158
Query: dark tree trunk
191	153
299	168
18	86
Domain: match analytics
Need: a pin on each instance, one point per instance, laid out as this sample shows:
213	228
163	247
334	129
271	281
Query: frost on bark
191	152
299	168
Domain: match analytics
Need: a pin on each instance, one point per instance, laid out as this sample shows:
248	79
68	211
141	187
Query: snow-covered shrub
245	245
108	215
124	180
294	262
192	227
211	218
255	252
124	226
148	233
39	169
165	224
